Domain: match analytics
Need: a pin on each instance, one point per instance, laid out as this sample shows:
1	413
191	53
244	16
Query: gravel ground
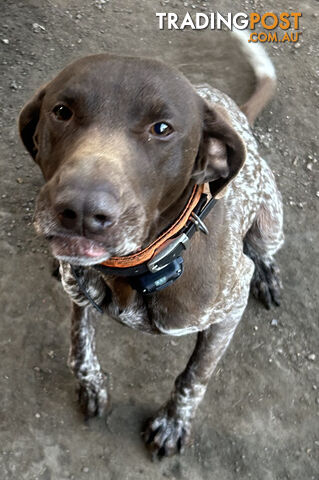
259	418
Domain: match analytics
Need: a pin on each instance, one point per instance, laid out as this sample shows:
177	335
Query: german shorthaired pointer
132	154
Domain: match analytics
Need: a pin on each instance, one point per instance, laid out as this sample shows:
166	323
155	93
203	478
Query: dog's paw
166	435
93	402
266	283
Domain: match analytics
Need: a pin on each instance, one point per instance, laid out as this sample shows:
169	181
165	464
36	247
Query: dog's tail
264	72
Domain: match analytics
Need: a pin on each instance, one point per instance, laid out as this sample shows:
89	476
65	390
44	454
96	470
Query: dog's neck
169	215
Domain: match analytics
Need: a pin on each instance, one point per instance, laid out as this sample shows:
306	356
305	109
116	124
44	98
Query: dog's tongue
76	247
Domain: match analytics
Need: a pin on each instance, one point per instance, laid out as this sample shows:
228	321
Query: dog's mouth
77	250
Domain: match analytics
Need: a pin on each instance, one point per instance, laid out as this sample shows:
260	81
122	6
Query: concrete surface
259	418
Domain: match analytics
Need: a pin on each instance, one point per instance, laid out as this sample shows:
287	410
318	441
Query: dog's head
121	143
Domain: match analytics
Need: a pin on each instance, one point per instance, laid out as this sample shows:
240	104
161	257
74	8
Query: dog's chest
127	306
153	315
171	311
185	307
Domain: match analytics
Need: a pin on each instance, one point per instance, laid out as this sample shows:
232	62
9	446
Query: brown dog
122	143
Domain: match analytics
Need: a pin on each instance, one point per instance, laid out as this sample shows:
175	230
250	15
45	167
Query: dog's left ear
221	153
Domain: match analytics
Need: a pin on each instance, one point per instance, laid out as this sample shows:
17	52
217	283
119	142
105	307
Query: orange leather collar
147	253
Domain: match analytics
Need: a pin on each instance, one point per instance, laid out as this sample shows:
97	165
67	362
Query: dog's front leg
168	432
83	361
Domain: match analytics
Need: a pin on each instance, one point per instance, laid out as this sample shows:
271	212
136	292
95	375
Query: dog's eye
161	129
63	113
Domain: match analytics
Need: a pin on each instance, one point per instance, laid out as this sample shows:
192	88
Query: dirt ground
260	417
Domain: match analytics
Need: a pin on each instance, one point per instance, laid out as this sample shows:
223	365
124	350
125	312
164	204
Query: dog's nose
84	213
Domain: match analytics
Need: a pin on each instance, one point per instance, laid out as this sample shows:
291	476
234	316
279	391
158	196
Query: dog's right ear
221	152
28	121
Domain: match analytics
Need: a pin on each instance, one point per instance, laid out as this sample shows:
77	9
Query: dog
132	154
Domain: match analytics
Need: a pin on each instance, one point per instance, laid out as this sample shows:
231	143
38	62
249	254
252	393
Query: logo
279	28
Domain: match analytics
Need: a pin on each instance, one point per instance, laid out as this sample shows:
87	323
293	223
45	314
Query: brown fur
264	91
